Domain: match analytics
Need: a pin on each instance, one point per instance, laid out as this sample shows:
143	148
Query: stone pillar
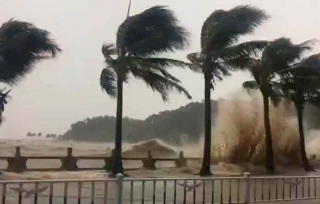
69	163
17	163
181	161
108	161
149	162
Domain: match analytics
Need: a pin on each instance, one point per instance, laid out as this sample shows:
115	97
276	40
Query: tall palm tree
301	84
220	53
140	40
22	45
279	55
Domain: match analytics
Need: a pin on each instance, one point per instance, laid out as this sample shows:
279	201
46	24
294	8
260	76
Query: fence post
247	188
119	179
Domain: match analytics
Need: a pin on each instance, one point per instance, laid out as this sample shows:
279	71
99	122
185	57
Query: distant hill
183	125
180	126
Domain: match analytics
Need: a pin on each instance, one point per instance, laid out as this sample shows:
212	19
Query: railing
18	163
242	189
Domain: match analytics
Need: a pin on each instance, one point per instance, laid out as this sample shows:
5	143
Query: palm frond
166	62
3	98
153	31
308	66
220	70
108	50
159	83
108	81
223	28
282	53
240	63
315	100
21	46
195	58
149	65
250	85
251	48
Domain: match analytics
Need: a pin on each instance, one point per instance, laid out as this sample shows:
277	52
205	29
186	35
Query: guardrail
18	163
242	189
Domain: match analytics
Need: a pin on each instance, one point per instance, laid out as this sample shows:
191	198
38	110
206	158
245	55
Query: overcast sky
65	90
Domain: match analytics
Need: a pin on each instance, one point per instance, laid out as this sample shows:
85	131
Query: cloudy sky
61	91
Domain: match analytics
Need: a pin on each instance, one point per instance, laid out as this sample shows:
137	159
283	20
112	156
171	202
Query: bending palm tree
277	56
220	53
301	84
21	46
140	39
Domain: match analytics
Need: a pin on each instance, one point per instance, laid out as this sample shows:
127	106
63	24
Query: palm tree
277	56
220	54
301	84
140	40
22	45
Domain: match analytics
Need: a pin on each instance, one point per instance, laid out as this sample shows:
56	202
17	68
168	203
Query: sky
62	91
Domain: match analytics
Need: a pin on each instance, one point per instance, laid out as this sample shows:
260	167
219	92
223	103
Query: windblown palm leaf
159	83
278	56
282	53
308	66
22	45
302	82
3	101
223	28
249	85
3	98
108	81
151	32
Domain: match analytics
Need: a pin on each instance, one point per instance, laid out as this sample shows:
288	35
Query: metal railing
242	189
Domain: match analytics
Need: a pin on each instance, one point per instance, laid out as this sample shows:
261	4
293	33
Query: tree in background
220	53
279	55
22	45
140	40
301	84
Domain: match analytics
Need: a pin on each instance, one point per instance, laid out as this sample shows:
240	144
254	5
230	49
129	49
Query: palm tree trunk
268	139
117	160
303	154
206	162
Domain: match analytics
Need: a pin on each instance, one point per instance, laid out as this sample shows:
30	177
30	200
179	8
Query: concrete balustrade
18	163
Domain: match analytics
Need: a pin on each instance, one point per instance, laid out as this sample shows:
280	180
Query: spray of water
239	133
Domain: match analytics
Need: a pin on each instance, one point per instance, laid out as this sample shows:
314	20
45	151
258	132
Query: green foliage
223	28
278	56
220	32
301	83
151	32
21	46
175	127
3	98
140	39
